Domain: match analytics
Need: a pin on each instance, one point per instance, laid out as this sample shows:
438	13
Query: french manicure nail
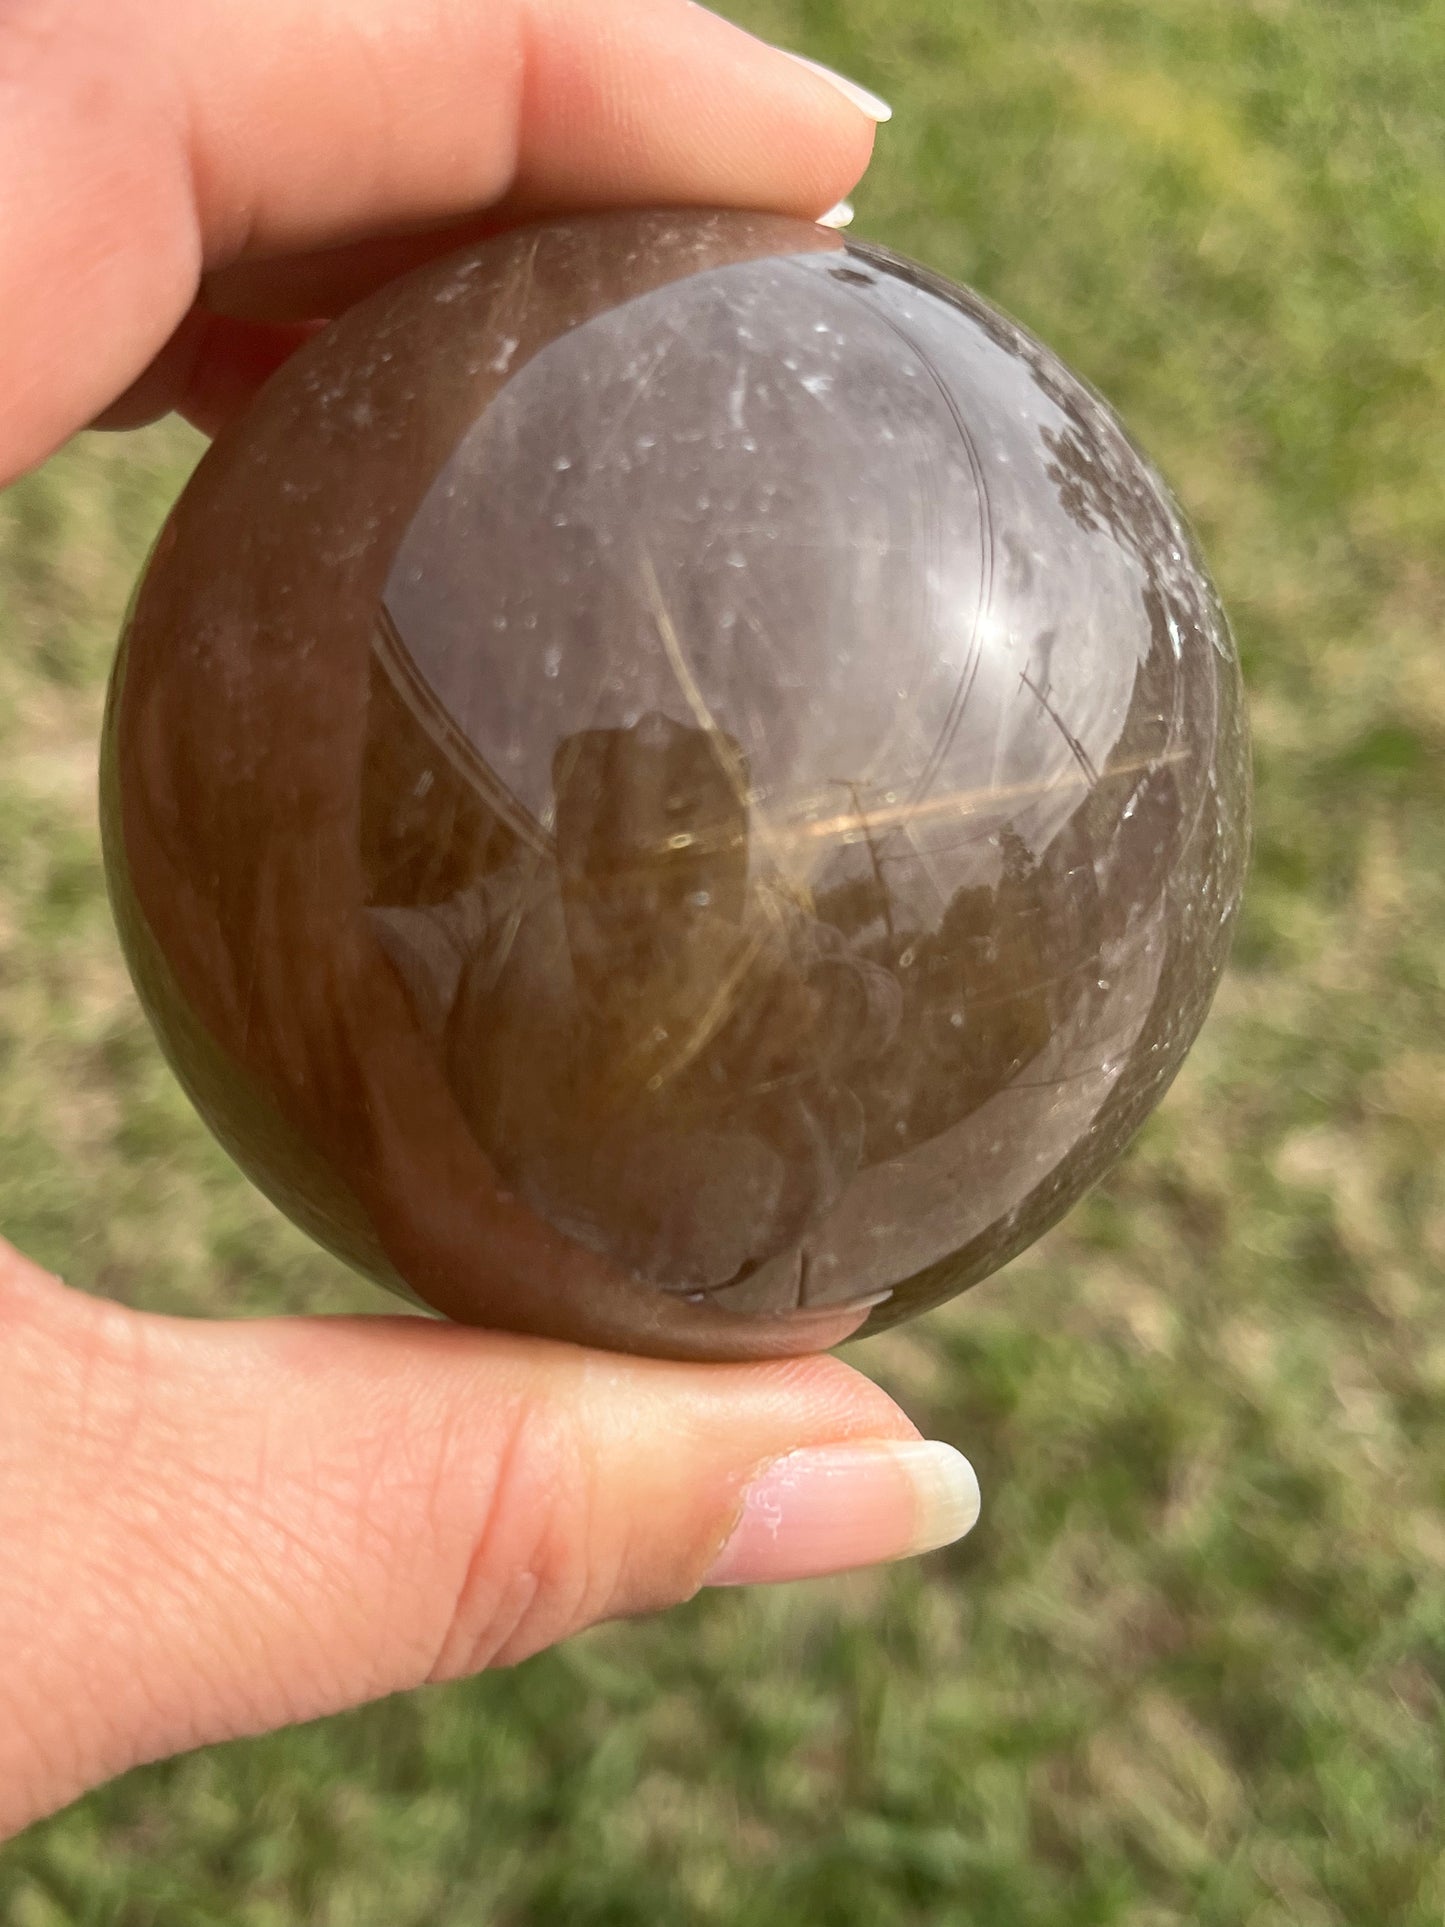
839	216
837	1507
869	104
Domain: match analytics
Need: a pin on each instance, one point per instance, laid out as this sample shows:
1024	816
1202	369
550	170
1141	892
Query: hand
216	1529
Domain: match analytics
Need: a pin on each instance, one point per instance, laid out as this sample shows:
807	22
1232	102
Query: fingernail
843	1506
839	216
869	104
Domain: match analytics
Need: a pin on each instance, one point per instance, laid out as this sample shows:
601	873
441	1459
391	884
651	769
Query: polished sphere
678	783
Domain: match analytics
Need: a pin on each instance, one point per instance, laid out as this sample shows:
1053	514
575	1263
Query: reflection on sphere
679	782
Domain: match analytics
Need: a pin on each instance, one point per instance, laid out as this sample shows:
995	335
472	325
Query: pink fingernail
834	1508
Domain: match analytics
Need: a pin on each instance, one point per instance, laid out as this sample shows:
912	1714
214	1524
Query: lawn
1191	1666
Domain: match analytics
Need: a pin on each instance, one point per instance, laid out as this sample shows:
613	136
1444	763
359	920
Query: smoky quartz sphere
677	783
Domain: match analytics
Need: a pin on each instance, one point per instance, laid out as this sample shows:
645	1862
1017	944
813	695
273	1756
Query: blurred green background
1191	1666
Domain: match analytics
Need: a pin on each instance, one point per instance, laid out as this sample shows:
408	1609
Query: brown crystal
676	783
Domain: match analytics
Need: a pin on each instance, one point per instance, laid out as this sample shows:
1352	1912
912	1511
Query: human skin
219	1528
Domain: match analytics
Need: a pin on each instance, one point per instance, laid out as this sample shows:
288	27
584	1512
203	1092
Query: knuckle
539	1564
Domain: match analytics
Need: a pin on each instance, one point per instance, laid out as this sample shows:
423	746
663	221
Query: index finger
146	143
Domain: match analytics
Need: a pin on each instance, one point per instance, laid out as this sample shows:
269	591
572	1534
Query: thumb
219	1529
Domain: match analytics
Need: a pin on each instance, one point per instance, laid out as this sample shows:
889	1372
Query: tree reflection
675	1053
659	1055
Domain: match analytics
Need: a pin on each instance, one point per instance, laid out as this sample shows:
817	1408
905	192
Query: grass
1191	1667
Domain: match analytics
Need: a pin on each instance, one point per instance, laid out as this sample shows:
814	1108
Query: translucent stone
677	783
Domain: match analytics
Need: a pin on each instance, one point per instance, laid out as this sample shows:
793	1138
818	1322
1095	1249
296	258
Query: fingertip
839	1507
710	112
835	1399
839	117
870	105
